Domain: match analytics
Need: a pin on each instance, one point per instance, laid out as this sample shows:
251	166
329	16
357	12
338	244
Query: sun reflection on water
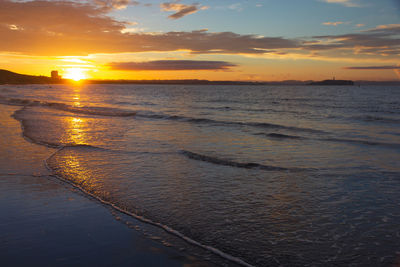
77	96
73	166
74	170
76	133
76	99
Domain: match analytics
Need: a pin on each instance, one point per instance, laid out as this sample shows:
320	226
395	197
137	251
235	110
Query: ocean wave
218	161
125	103
115	112
331	139
370	118
362	142
281	136
101	111
278	126
218	122
86	147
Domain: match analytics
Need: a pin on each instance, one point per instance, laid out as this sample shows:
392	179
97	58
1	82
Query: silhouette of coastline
9	77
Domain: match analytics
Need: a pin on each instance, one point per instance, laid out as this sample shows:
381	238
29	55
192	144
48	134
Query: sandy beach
45	222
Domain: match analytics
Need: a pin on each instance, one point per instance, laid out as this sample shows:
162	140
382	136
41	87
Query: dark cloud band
172	65
374	68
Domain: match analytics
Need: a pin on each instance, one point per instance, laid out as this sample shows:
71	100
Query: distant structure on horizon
54	75
333	82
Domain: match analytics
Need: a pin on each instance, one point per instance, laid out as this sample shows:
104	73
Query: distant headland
333	82
9	77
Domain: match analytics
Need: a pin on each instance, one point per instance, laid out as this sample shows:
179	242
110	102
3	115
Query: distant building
54	75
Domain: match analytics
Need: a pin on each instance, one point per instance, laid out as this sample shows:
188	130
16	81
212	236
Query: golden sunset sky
268	40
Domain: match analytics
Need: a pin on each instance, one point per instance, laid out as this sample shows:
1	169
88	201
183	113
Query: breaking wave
362	142
101	111
218	122
336	140
281	136
247	165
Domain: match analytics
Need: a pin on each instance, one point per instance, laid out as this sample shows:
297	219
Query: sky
244	40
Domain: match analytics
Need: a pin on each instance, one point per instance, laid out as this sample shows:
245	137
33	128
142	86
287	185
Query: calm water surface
289	176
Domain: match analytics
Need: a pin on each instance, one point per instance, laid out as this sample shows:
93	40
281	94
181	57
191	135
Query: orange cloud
394	28
181	10
381	41
114	4
348	3
65	28
70	28
333	23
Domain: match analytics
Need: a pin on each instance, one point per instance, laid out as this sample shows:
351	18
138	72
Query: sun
75	74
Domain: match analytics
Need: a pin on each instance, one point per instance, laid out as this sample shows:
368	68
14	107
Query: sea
259	175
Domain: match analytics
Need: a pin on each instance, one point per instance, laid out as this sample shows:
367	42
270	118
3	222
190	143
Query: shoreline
51	223
216	254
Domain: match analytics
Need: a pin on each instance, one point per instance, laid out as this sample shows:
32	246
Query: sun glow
75	74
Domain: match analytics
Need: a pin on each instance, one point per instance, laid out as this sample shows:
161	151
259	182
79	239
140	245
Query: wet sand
45	222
